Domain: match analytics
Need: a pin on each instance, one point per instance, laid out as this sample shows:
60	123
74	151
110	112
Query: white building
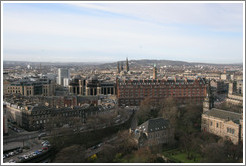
66	82
62	73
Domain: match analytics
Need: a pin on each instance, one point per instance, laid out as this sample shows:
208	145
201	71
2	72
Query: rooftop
154	125
222	114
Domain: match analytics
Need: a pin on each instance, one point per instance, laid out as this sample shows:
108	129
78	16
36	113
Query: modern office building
62	73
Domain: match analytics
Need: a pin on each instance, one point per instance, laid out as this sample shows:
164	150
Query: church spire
127	65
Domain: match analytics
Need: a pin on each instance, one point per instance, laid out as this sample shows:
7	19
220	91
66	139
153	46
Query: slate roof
153	125
222	114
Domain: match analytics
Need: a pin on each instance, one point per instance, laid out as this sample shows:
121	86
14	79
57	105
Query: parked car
46	145
19	150
37	152
21	158
11	153
25	156
42	135
45	148
12	161
45	142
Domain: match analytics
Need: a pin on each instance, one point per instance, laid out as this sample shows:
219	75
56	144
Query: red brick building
132	92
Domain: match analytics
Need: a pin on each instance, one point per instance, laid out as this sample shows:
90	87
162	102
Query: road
20	137
36	145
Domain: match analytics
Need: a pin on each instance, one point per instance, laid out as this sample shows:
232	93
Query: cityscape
107	83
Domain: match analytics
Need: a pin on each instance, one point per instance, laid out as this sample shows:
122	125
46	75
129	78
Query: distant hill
143	62
147	62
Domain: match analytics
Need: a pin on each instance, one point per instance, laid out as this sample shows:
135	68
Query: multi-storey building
36	117
235	93
132	92
225	77
219	86
29	87
91	87
62	73
5	121
77	85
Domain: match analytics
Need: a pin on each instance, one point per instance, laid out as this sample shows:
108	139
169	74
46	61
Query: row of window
180	92
159	95
160	87
154	135
162	83
230	130
160	90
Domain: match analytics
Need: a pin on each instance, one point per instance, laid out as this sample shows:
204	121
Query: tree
213	153
107	154
168	109
144	112
71	154
141	156
191	118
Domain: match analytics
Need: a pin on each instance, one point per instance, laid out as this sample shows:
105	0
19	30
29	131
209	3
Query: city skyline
109	32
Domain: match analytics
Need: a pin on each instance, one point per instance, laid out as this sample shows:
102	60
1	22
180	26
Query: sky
109	32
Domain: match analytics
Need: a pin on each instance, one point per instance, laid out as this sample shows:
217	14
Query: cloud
115	30
205	14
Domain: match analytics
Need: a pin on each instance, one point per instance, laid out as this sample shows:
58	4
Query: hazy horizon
118	61
109	32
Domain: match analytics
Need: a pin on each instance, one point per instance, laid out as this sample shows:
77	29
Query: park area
180	156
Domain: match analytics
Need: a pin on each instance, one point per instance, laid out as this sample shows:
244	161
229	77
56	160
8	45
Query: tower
62	73
208	102
232	87
121	67
154	72
127	65
118	67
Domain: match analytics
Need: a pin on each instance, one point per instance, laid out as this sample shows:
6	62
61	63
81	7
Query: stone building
5	120
235	93
154	132
225	124
91	87
77	85
29	87
219	86
33	117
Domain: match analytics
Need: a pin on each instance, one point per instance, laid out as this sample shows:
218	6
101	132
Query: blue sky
107	32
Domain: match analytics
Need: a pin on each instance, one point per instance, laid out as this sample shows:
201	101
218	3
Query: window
211	123
217	124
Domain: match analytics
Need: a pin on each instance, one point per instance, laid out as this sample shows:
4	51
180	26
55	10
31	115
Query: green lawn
177	156
182	157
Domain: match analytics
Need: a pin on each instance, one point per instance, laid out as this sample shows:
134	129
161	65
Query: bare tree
71	154
169	110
